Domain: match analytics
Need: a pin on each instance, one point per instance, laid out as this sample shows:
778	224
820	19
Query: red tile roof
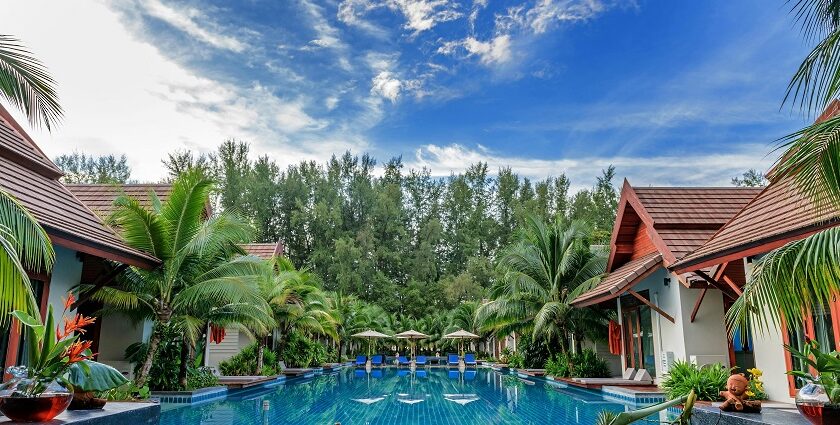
100	197
704	206
620	279
27	174
779	214
263	250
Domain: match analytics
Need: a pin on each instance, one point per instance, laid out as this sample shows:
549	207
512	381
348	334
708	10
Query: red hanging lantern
217	333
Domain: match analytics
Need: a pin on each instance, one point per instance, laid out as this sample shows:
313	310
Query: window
822	326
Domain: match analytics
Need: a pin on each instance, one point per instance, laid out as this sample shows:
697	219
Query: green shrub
516	360
127	392
706	381
245	363
585	364
201	377
163	376
301	351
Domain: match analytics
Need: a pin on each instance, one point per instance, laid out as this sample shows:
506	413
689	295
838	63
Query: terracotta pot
86	401
35	409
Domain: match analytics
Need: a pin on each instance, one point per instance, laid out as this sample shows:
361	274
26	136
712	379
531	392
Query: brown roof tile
780	213
707	206
263	250
68	222
623	277
100	197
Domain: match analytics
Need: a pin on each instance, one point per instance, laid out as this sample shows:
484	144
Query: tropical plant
26	84
804	273
543	272
706	381
302	351
24	245
61	356
624	418
349	316
196	275
244	363
585	364
756	388
826	366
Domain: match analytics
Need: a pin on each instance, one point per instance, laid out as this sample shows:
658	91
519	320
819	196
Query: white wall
230	346
602	348
117	333
67	272
706	336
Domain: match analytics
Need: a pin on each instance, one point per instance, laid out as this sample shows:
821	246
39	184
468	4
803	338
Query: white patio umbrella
370	335
411	335
461	335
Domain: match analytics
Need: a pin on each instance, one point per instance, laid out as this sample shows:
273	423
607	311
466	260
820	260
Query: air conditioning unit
704	359
667	360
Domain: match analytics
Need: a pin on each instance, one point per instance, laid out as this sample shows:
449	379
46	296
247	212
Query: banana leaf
89	375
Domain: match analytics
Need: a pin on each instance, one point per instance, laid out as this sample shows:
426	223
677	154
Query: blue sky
671	92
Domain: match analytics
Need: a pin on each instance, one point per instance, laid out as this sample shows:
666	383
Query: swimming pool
398	396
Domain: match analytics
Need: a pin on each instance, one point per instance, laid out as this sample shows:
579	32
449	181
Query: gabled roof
100	197
264	250
778	215
620	279
28	175
656	226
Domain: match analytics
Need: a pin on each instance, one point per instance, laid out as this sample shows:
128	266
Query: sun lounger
420	361
376	360
452	360
361	360
469	359
403	361
640	377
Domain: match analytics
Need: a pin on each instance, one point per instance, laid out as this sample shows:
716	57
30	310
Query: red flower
76	324
69	301
75	352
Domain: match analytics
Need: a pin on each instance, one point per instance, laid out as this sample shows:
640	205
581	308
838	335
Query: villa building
87	251
666	316
778	215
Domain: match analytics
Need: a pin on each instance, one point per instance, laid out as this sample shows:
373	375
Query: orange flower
69	301
76	324
75	352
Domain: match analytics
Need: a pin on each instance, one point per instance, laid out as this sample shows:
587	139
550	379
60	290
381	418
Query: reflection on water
399	396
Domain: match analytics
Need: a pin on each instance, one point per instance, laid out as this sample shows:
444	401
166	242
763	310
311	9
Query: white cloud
496	51
547	13
331	102
136	101
420	15
386	85
187	20
717	169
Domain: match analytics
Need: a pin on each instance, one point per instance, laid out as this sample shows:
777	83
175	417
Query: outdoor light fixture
667	282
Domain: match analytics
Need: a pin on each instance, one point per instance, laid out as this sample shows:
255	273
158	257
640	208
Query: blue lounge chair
403	361
361	360
420	361
376	360
469	375
469	359
452	360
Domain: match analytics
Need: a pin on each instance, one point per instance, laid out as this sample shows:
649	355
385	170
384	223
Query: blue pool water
394	396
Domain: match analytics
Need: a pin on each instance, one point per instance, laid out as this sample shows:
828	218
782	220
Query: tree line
413	243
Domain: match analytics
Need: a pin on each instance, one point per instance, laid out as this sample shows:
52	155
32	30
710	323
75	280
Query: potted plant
819	399
90	378
40	390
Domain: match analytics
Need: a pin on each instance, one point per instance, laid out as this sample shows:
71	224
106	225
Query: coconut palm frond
26	84
794	278
24	245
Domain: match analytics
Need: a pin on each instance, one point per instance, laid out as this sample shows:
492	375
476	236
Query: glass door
637	328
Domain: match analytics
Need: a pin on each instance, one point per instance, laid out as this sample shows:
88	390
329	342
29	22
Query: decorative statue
735	396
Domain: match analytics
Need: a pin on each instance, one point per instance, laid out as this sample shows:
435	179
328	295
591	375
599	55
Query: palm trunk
340	347
185	358
260	354
151	350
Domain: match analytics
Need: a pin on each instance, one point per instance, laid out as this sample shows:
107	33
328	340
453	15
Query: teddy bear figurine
735	396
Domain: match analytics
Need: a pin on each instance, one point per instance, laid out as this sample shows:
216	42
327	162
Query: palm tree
349	315
26	84
194	252
24	245
547	268
804	273
297	302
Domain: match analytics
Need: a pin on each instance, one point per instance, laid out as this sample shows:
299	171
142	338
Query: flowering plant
756	388
58	356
